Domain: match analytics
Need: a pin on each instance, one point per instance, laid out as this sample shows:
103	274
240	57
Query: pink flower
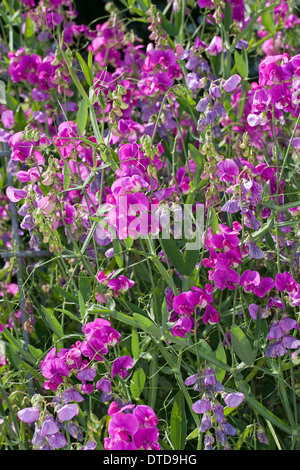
14	194
215	46
7	118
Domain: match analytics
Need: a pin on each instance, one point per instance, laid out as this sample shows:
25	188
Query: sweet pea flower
215	46
14	194
234	399
121	366
29	415
67	412
232	82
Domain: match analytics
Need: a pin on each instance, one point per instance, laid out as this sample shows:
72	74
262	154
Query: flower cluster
98	337
132	428
213	423
187	308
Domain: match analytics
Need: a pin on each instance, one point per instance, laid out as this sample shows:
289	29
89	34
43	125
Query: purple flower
67	412
202	104
193	81
29	415
121	365
254	251
232	83
215	46
87	374
232	206
228	171
206	422
234	399
71	394
104	385
57	441
49	426
7	118
218	410
228	429
201	406
276	348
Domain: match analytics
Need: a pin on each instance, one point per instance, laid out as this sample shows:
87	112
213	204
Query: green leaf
135	344
20	118
84	286
72	73
241	345
196	156
11	102
70	314
178	422
81	305
51	321
137	383
87	71
82	117
29	27
118	255
36	353
227	16
214	220
67	176
174	254
241	65
191	259
268	21
221	356
147	325
66	294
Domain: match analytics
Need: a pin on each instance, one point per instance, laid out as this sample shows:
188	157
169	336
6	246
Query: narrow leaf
178	422
82	117
241	345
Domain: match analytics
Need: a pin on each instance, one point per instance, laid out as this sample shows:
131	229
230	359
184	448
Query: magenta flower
185	303
211	315
121	365
54	369
145	416
228	171
182	327
146	438
121	426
